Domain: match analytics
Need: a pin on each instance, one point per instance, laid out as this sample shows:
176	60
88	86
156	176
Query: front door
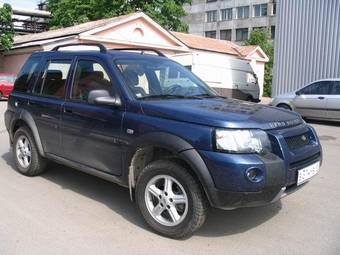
311	100
90	133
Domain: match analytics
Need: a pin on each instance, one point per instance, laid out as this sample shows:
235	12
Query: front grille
298	141
298	164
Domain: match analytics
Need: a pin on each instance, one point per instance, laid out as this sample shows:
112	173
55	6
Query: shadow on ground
219	222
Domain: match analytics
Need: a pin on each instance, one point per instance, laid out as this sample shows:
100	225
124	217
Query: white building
230	20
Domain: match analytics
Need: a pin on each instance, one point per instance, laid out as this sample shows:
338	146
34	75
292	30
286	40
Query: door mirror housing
298	93
102	97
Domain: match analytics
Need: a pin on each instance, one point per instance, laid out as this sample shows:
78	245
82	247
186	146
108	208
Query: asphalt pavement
68	212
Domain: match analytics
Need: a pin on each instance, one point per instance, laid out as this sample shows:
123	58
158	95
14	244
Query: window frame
315	83
72	80
226	31
43	66
210	31
31	83
261	6
227	11
333	88
274	6
214	16
243	12
245	28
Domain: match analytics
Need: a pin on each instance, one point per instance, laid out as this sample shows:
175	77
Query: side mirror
298	93
102	97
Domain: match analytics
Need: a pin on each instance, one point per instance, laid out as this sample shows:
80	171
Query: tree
261	37
6	27
167	13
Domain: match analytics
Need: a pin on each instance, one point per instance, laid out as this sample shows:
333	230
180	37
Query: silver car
317	100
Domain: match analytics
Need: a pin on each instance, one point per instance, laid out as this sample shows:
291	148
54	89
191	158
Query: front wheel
170	199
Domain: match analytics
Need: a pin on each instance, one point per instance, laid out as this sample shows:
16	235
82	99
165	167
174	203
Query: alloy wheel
166	200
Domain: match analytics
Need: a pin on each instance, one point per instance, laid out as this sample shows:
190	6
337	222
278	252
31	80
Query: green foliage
167	13
261	37
6	27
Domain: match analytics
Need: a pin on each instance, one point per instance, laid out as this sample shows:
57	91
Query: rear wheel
170	199
27	158
284	106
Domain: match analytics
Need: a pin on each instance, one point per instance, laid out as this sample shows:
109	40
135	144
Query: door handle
321	98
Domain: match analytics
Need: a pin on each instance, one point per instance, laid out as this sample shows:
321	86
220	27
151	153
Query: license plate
308	172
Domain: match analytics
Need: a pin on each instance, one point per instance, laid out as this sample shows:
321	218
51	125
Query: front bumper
232	188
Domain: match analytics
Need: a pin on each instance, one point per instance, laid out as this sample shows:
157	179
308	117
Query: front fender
180	148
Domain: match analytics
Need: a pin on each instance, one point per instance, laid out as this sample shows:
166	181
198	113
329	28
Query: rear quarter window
27	75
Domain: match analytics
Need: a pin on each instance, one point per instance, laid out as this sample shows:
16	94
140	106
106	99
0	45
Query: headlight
242	141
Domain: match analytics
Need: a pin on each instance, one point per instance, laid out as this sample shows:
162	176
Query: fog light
254	174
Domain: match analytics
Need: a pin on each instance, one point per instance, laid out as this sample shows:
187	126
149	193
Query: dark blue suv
138	119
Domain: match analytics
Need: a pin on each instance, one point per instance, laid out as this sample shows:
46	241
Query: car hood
224	113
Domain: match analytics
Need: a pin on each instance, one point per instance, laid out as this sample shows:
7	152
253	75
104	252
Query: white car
317	100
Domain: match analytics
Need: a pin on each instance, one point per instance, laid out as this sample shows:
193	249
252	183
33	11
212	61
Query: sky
22	4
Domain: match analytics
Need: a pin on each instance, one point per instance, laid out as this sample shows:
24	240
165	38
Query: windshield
161	79
7	78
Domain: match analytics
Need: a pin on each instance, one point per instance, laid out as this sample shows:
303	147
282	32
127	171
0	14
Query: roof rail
142	50
101	47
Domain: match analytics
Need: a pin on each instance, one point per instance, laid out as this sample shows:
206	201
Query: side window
336	88
318	88
89	75
27	74
53	79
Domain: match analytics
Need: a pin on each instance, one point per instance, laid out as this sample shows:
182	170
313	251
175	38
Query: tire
192	213
249	99
284	106
24	145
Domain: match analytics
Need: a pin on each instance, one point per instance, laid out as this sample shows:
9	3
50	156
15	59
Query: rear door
45	103
311	100
333	102
91	133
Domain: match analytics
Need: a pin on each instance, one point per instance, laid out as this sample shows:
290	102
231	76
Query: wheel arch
149	147
285	102
26	119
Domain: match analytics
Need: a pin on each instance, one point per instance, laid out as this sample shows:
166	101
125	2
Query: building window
260	10
272	32
274	9
225	34
227	14
241	34
210	34
211	16
243	12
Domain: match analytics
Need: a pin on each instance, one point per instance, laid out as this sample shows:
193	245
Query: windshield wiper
169	96
209	96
